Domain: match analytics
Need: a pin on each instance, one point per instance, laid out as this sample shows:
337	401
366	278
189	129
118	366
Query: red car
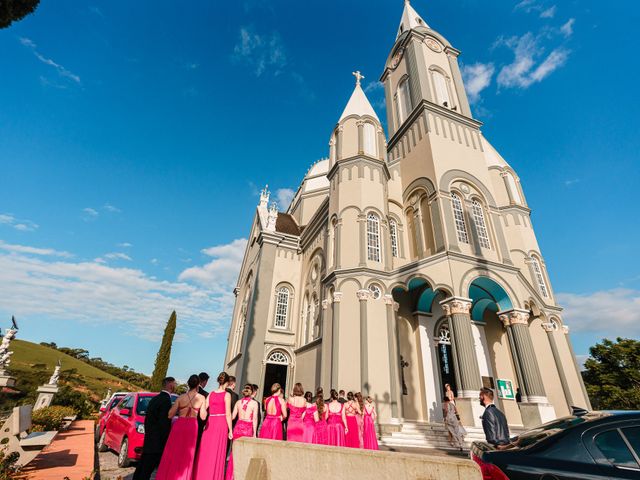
124	429
105	411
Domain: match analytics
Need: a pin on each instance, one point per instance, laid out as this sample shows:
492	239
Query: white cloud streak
35	284
261	52
21	225
549	12
567	28
118	256
62	71
284	197
476	78
612	313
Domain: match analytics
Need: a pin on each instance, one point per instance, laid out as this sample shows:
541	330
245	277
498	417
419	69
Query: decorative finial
358	76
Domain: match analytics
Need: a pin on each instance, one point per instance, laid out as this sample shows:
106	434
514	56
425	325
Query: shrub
8	467
50	418
67	396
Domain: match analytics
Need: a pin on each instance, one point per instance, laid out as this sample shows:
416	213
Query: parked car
124	429
105	410
584	445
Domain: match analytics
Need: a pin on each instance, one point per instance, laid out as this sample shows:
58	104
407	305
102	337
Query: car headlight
140	427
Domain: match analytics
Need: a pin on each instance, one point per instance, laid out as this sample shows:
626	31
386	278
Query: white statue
56	374
5	354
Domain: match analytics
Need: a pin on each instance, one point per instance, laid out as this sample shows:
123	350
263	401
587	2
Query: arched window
278	357
403	99
537	270
513	188
393	232
373	237
282	308
481	226
458	216
369	139
442	92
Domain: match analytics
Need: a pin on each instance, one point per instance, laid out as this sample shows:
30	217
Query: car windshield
143	404
547	430
115	402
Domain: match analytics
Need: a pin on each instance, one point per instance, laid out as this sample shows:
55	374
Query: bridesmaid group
309	419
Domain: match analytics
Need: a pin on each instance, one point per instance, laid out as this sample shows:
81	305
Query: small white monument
47	391
5	355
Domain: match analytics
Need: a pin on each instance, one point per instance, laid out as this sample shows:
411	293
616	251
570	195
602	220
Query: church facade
406	262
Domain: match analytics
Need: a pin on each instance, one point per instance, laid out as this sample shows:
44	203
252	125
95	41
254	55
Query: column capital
453	305
388	299
337	297
325	304
549	327
514	316
396	306
565	329
363	295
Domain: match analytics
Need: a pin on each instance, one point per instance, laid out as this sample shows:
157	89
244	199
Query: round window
376	293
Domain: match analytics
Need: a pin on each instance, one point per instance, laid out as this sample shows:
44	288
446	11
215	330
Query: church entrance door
445	359
276	370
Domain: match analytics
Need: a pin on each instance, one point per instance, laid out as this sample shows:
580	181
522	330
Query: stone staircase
428	435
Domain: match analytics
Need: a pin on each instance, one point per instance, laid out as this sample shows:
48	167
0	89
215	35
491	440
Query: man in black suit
494	423
254	393
157	425
204	379
230	389
341	397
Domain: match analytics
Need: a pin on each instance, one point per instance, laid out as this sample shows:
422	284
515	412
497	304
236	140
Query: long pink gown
309	424
352	437
272	424
295	426
335	429
369	437
243	428
212	454
180	450
321	429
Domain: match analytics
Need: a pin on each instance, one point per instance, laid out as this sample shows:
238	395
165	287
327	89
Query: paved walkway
71	454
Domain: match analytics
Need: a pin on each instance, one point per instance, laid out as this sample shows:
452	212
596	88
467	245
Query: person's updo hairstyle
320	401
308	396
350	396
223	378
275	388
334	394
247	391
193	382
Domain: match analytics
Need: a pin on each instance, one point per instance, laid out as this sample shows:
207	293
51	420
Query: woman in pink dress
320	414
180	450
369	437
297	407
246	410
308	421
337	423
276	412
212	455
351	410
360	417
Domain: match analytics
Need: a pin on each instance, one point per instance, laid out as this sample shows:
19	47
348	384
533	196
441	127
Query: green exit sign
505	389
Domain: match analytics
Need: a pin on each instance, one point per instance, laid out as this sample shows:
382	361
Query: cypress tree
164	354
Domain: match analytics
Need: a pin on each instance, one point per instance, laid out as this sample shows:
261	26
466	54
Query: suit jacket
157	423
495	426
234	398
259	416
203	392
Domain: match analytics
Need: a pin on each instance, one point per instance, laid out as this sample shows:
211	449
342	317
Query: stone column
468	371
550	328
394	357
565	329
536	409
335	346
363	296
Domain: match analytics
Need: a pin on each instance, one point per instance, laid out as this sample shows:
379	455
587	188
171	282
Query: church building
406	261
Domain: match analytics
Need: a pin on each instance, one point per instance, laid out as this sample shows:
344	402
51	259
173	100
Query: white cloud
89	214
260	52
118	256
374	86
33	250
34	284
154	261
476	78
124	245
284	197
549	12
611	313
567	28
525	70
110	208
18	224
63	72
571	181
221	272
526	5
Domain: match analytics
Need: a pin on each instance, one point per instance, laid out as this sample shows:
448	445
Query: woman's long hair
360	401
320	402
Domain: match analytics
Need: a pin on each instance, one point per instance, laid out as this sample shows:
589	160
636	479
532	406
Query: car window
632	434
614	448
536	435
127	402
115	402
143	404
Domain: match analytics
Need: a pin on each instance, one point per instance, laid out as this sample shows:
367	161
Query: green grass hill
32	364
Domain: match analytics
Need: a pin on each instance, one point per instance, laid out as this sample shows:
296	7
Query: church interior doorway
275	371
445	359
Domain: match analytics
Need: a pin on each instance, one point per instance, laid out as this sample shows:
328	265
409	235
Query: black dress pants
147	464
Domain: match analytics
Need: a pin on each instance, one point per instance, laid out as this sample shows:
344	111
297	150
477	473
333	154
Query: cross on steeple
358	76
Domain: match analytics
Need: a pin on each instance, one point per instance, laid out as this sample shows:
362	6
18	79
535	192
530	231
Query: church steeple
358	104
410	19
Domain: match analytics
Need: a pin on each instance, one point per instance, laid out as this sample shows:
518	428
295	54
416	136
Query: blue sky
134	137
